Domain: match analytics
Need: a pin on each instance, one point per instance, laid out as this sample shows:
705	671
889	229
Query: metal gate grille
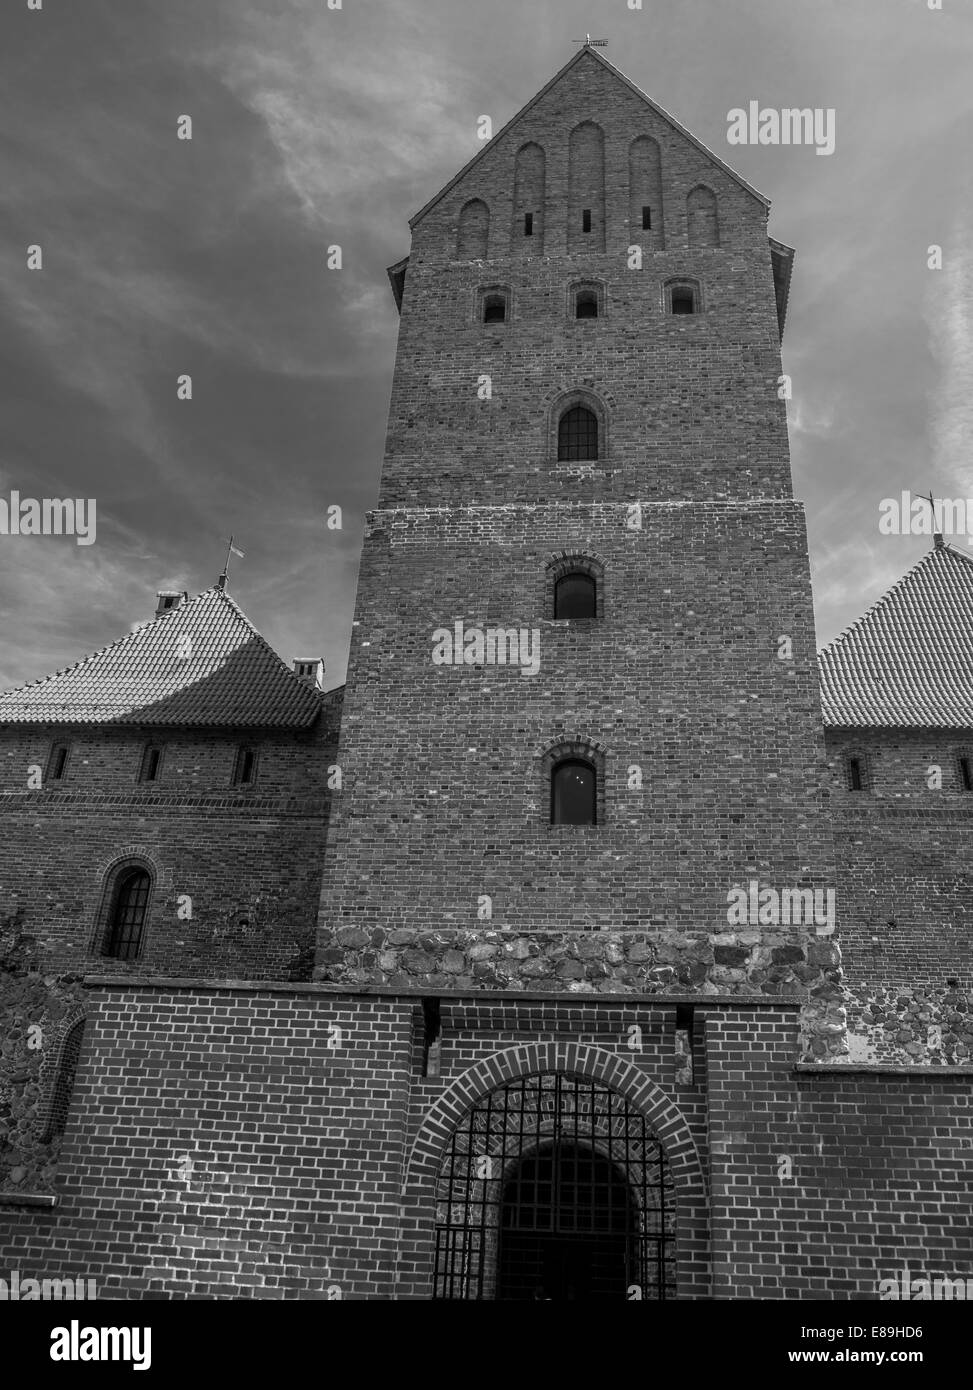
554	1188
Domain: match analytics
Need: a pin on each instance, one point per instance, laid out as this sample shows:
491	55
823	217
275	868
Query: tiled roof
203	663
908	661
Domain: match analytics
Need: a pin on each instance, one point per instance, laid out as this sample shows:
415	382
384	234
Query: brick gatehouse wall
281	1142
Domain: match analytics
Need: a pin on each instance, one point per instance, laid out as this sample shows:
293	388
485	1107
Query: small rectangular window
151	758
494	308
854	774
646	219
56	762
246	761
586	220
966	774
528	224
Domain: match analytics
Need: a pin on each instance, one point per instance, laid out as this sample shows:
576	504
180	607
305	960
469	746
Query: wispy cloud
949	319
314	126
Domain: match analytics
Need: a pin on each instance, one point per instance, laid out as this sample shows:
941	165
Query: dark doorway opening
568	1228
554	1187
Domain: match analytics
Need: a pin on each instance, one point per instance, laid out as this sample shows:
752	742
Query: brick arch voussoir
594	1063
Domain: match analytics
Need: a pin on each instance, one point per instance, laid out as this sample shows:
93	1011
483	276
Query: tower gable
581	137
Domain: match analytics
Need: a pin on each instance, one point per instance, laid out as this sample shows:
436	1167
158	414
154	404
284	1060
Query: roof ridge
235	676
954	550
684	130
907	661
118	642
228	598
880	601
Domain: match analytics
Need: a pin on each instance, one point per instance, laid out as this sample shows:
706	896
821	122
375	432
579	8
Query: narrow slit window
151	758
57	762
646	219
855	780
586	220
966	774
528	224
243	772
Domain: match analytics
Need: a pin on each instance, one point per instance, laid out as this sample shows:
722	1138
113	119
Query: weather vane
231	550
589	42
932	508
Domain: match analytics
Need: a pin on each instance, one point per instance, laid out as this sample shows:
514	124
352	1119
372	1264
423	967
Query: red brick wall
247	857
905	852
445	799
825	1183
295	1147
312	1167
244	861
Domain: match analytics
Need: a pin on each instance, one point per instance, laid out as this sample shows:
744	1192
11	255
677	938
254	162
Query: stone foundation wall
905	1026
703	964
36	1010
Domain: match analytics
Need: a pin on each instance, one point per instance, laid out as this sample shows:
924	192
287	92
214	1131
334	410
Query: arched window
574	587
585	300
574	793
576	595
126	917
586	304
577	434
494	308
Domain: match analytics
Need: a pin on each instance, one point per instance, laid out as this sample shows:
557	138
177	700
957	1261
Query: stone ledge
881	1069
707	1001
28	1199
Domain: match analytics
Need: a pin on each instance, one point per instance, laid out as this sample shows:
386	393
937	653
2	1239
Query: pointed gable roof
576	58
202	664
908	661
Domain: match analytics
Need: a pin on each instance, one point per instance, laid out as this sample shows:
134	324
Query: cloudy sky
314	126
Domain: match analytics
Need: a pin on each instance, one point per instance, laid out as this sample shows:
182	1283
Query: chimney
311	671
168	599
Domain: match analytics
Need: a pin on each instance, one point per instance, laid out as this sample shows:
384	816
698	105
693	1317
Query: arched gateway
554	1187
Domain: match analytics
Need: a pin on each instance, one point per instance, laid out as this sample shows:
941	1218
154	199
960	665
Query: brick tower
582	704
586	385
